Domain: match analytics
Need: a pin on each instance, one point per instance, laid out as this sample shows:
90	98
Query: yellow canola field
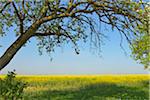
97	78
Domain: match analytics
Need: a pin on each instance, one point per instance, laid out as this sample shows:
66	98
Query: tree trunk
12	50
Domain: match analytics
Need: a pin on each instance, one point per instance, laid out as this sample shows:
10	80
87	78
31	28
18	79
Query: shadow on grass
103	91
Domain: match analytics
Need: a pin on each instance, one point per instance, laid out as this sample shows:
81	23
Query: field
86	87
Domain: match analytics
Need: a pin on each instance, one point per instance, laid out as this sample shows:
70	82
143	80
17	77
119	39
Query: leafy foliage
141	50
141	44
11	88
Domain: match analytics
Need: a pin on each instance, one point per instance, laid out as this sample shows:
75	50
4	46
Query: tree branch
19	17
50	33
43	34
5	6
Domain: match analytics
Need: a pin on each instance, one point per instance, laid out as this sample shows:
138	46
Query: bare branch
16	11
19	17
23	8
5	6
43	34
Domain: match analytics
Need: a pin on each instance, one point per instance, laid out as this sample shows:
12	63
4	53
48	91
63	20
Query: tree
141	45
141	50
56	22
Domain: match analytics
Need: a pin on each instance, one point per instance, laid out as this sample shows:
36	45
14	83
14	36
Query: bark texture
12	50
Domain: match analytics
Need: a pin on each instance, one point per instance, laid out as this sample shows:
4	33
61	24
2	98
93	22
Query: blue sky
65	61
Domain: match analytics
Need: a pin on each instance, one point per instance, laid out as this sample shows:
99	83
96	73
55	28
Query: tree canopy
57	22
